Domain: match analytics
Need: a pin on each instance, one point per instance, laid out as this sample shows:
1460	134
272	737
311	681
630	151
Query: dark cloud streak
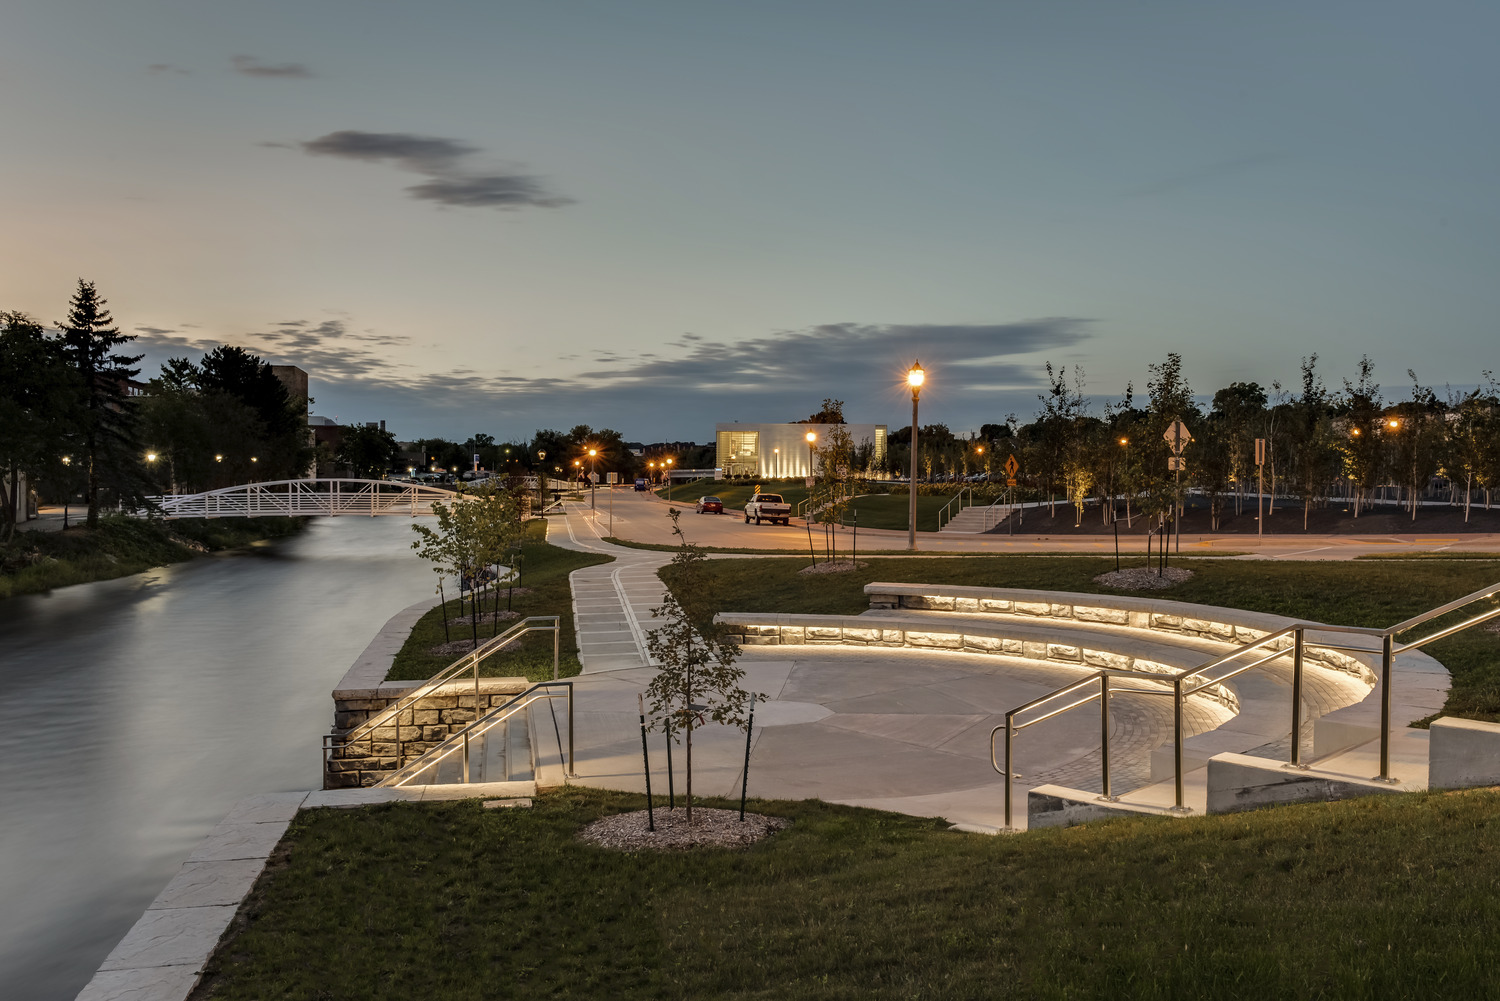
445	163
251	66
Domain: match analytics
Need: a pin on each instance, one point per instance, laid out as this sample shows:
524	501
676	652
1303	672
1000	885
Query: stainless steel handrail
470	661
478	728
957	499
1183	685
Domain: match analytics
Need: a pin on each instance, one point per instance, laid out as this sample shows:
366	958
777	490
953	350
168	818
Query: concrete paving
641	517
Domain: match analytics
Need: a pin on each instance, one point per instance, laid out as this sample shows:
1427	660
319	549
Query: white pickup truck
768	507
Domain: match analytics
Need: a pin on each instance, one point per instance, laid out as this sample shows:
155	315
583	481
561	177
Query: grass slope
544	572
1379	593
40	561
1384	897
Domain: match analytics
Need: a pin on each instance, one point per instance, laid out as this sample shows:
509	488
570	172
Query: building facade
773	451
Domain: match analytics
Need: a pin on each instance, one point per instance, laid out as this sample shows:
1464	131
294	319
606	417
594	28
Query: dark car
713	504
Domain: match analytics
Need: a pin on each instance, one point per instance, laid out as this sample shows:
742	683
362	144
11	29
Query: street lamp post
812	438
593	474
914	379
669	480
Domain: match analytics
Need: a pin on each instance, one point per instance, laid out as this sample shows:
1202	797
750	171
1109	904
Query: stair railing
947	512
469	663
459	743
1185	683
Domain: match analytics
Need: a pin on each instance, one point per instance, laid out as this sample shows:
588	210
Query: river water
135	712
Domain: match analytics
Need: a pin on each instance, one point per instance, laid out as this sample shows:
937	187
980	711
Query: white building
773	451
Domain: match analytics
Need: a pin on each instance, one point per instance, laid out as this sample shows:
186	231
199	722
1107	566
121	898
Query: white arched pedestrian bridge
303	498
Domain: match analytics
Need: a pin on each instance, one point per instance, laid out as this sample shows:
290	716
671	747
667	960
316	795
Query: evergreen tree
104	413
36	387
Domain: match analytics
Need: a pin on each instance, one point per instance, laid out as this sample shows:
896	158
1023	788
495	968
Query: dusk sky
653	216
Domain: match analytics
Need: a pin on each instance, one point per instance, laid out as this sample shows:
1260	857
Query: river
135	712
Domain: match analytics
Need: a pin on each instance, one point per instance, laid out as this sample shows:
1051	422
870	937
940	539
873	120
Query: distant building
780	450
295	381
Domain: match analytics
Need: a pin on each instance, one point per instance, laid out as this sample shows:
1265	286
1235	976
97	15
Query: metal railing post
466	758
1297	649
1387	658
1177	737
1009	750
572	771
556	645
1104	730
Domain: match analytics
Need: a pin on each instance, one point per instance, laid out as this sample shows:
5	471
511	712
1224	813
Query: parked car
768	507
710	505
640	484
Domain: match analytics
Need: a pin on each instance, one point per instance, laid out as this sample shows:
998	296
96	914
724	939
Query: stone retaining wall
409	734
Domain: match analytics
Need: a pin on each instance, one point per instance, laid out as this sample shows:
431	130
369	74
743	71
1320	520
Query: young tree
104	411
473	533
697	681
1361	439
1314	455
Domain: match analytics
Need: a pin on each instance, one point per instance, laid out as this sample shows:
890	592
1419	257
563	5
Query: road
642	517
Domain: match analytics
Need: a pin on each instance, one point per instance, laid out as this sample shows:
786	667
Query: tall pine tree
105	414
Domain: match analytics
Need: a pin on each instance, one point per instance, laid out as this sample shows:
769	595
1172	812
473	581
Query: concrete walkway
612	602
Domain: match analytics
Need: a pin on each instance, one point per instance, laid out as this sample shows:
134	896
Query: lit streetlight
669	479
914	378
593	474
812	437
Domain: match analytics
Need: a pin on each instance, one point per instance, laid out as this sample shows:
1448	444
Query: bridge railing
302	498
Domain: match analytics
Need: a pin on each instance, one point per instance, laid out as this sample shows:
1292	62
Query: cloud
445	162
166	68
977	373
251	66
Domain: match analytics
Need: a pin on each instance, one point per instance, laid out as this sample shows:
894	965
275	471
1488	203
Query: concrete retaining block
1059	806
1463	753
1240	782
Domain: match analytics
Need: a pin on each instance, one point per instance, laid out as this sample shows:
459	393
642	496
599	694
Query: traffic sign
1177	436
1011	465
1176	463
1011	482
1260	451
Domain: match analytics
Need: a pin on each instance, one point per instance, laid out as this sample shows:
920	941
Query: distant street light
669	479
914	378
811	436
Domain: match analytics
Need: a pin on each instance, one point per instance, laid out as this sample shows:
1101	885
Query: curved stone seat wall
1231	626
969	635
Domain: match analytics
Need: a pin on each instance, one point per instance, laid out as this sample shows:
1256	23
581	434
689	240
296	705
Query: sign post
1177	439
1260	486
1011	467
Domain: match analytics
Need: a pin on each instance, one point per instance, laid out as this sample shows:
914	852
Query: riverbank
36	562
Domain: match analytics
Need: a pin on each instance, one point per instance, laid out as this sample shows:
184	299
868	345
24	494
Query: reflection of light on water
134	712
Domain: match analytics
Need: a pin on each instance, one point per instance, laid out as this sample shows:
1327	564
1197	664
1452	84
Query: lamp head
811	436
915	377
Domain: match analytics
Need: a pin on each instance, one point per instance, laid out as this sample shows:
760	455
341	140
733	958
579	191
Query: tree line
75	420
1350	444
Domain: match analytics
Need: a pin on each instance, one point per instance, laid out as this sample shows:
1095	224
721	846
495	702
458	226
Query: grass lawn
39	561
544	572
1382	897
1347	593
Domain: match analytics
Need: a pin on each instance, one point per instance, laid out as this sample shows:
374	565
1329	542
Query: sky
654	216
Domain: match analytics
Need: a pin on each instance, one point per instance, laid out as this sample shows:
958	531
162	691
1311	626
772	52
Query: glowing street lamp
593	474
669	478
914	378
811	436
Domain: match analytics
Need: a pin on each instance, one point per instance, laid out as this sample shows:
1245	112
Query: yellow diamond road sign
1011	465
1177	436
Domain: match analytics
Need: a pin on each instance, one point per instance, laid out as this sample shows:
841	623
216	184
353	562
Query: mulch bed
627	832
1143	578
834	566
504	615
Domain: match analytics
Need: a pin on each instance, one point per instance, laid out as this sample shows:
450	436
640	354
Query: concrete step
976	519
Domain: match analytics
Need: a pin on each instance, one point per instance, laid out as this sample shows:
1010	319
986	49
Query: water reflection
135	712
